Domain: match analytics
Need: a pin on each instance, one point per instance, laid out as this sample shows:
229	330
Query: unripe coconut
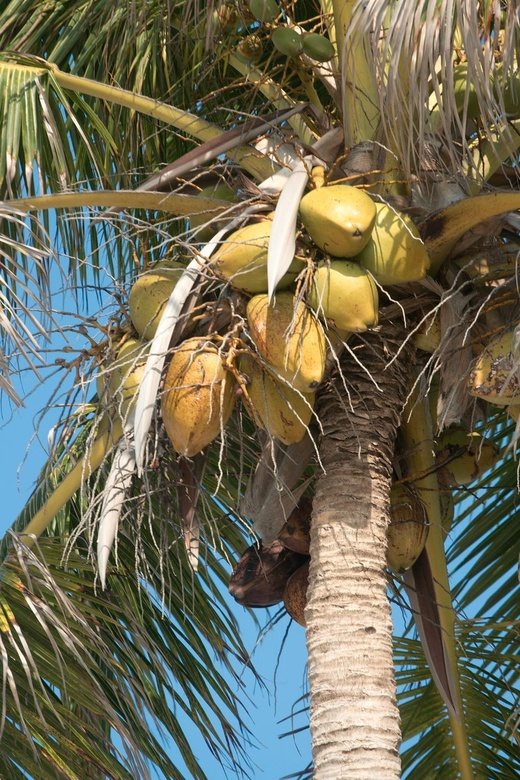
274	406
395	252
205	234
494	377
318	47
408	529
198	396
464	455
295	594
119	382
264	10
339	219
289	338
242	259
149	296
287	41
250	49
345	295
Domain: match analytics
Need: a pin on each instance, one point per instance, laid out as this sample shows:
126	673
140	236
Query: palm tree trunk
354	717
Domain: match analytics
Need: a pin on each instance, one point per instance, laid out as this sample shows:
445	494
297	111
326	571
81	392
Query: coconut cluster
239	349
272	354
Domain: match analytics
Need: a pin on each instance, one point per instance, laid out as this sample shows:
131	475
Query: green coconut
264	10
242	259
338	218
287	41
395	252
318	47
345	296
149	296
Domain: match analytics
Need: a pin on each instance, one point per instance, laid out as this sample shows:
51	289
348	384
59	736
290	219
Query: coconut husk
261	574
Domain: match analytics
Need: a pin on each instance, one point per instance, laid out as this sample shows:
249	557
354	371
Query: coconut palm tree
120	124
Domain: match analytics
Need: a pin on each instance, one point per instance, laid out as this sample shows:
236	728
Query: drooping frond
447	75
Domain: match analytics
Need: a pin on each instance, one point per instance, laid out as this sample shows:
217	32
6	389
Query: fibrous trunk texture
354	716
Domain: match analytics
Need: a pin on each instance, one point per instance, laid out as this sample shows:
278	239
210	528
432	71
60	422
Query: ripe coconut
408	529
289	338
494	376
275	406
395	252
242	259
345	296
296	531
149	296
198	396
464	455
338	218
295	594
119	381
261	574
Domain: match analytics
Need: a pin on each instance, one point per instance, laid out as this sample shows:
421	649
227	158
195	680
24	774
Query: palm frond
463	54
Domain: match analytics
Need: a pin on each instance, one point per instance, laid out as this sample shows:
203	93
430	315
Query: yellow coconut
274	406
338	218
198	396
149	296
428	336
395	252
345	295
242	259
408	529
464	455
118	382
494	375
289	338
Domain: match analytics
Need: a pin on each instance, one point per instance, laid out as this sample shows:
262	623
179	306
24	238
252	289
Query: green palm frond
490	698
128	660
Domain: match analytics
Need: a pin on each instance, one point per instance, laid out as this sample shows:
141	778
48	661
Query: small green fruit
345	296
287	41
264	10
338	218
318	47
